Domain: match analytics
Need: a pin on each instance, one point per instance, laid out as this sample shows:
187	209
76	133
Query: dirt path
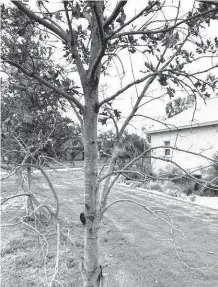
146	255
136	247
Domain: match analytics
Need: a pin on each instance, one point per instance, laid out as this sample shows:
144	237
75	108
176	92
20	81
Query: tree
131	145
167	46
32	126
32	129
178	105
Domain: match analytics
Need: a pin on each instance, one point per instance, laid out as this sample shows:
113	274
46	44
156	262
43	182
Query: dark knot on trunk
83	218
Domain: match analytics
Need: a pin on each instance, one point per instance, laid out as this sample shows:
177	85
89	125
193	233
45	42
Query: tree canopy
33	124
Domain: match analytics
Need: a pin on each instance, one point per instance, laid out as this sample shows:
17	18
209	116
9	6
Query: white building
194	130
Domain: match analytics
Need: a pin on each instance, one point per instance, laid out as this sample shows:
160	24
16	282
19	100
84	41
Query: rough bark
90	118
30	207
91	244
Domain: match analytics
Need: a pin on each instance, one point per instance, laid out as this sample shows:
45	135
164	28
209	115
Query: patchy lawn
136	248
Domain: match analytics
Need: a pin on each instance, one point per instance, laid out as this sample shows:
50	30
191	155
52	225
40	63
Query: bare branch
123	171
100	54
204	71
10	174
158	121
209	183
164	30
13	196
125	88
72	45
154	212
52	189
177	14
49	183
134	18
135	108
110	172
114	14
54	23
176	164
106	189
77	114
71	41
147	85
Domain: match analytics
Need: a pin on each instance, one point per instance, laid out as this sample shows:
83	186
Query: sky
132	64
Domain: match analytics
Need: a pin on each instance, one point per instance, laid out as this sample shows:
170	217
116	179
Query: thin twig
13	196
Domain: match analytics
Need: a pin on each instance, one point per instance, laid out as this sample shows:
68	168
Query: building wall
202	140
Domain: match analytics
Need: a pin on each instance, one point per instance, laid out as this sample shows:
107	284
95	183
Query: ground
136	248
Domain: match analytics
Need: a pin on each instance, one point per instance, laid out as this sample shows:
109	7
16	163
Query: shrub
187	190
215	164
155	186
145	185
179	180
171	189
169	172
211	176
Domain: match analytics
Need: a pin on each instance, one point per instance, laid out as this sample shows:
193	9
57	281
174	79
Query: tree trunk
93	274
30	207
91	244
19	179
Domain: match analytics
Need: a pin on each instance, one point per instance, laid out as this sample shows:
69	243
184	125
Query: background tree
33	129
131	145
168	45
33	126
178	105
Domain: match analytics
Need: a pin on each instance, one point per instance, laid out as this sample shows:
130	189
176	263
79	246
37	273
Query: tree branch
107	191
154	212
158	121
46	83
125	88
135	108
100	54
55	24
189	175
77	114
14	196
157	31
114	14
134	18
49	183
58	31
22	7
52	189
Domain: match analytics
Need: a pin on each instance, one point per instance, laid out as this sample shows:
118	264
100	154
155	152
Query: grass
135	246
